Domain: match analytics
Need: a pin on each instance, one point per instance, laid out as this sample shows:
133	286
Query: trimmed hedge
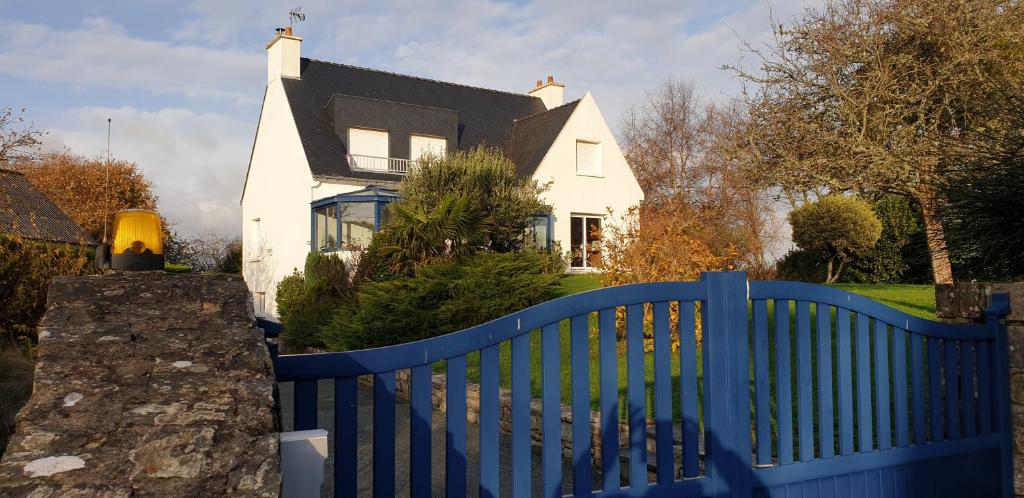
307	300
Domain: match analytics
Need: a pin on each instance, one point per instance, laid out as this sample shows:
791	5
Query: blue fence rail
795	390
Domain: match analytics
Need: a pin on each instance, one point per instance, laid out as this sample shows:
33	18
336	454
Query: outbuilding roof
27	212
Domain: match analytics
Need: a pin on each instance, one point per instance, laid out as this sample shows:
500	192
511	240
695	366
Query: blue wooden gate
793	389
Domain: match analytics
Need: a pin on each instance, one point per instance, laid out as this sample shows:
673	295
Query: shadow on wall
259	271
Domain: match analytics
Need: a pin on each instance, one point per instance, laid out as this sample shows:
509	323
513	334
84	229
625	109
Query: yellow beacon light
138	241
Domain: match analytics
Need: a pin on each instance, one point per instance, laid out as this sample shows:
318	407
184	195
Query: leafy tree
985	199
489	183
870	96
679	146
656	243
449	230
900	255
87	198
839	227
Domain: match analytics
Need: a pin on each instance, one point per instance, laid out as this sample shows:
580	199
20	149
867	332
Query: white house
333	142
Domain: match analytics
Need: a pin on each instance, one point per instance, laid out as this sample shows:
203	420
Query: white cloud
99	53
196	161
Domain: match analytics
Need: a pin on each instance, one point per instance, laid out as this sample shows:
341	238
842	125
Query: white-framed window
259	302
420	145
254	240
588	158
584	240
364	142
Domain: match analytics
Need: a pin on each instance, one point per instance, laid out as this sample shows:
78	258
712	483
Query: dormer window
423	145
588	158
367	143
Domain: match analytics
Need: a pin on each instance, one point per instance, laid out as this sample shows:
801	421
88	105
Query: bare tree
681	149
19	139
867	95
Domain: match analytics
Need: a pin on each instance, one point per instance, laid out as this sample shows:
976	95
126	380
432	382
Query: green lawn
917	300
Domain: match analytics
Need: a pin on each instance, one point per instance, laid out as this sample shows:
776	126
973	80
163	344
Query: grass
917	300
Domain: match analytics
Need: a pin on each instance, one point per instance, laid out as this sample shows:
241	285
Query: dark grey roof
533	136
29	213
485	117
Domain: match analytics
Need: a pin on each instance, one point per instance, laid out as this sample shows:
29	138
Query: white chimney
549	92
283	55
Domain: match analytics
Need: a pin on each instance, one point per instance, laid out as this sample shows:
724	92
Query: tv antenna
295	15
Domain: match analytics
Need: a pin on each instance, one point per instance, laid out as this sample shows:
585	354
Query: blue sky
183	81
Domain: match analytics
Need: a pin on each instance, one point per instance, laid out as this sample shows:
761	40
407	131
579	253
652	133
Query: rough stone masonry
148	384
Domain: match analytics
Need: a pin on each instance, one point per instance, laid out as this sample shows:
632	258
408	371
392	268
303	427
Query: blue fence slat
688	381
844	357
864	430
917	375
610	472
935	389
985	387
582	467
488	421
662	394
345	437
783	381
551	394
762	395
949	369
455	423
882	406
305	405
899	382
826	417
965	374
522	467
967	387
421	409
637	396
384	434
804	385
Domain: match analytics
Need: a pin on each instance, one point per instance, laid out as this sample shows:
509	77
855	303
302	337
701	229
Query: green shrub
489	183
802	265
26	268
307	300
890	261
442	298
838	227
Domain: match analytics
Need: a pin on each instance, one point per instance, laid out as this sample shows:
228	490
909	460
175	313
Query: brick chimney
283	55
549	92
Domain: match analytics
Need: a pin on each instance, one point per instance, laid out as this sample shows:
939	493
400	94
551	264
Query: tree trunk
828	272
942	270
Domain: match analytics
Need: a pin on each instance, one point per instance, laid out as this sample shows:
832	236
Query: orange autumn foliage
78	185
658	243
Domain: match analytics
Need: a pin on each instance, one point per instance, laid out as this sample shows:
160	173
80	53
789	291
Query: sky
183	81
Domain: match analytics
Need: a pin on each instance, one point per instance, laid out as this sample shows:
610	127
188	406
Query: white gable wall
277	192
569	193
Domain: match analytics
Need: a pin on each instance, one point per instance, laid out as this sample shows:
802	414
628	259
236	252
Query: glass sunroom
347	222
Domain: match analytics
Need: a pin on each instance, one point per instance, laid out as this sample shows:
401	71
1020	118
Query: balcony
374	164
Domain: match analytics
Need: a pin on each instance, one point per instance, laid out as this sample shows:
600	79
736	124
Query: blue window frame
348	221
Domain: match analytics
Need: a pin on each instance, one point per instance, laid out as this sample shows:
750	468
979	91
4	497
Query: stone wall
148	384
965	303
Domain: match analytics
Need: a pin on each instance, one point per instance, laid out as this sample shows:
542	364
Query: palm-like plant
417	237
